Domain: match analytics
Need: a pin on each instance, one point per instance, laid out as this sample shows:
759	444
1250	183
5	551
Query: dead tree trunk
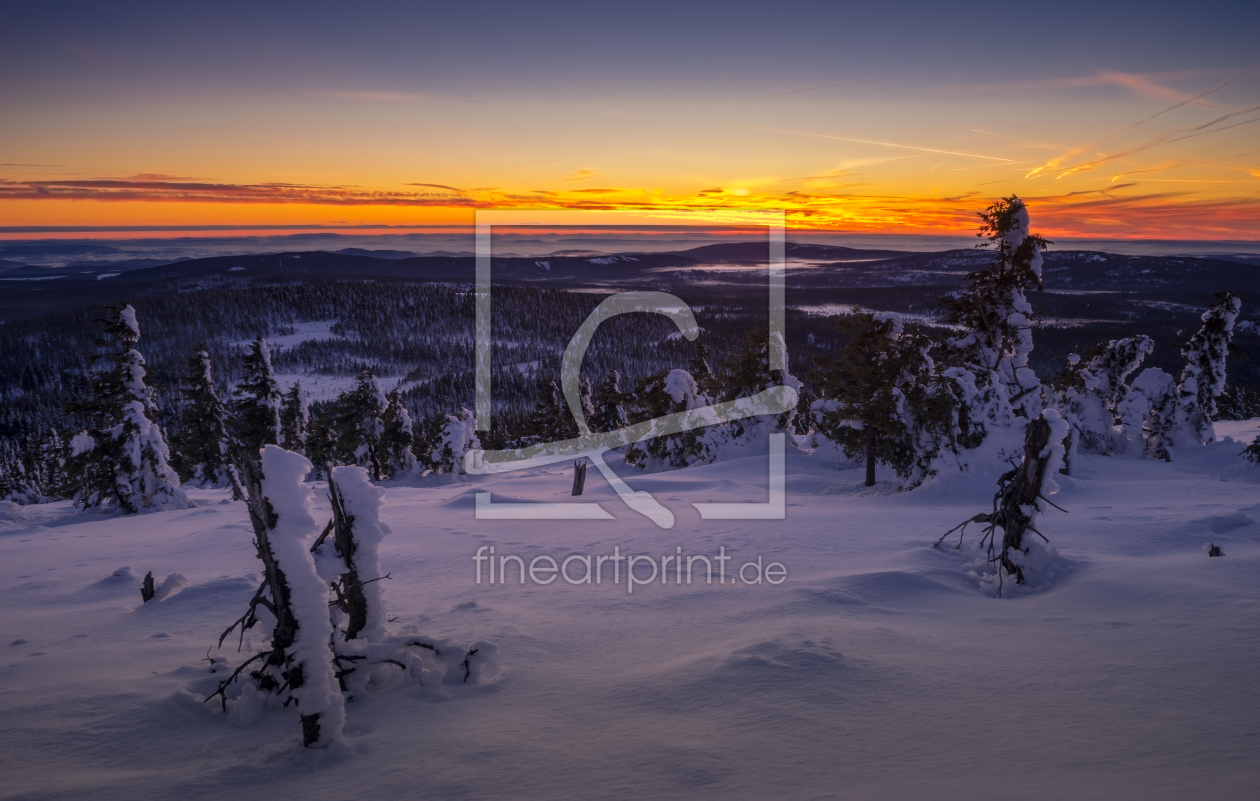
276	673
1015	503
147	591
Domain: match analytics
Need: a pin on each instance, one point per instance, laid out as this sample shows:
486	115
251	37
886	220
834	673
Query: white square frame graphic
486	220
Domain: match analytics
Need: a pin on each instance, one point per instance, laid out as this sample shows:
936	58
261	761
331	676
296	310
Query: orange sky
898	134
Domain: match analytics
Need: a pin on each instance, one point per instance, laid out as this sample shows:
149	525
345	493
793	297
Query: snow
291	539
362	502
128	315
879	669
303	332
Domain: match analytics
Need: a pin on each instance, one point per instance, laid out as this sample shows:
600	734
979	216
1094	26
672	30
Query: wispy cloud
896	145
581	175
1106	211
1142	83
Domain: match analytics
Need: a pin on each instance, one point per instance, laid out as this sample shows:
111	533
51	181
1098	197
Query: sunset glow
1126	141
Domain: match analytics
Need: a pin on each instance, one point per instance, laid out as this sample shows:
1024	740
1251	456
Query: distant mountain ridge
811	267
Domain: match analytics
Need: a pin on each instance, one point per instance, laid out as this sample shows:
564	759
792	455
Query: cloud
188	192
1107	212
581	175
1142	83
456	190
900	146
157	176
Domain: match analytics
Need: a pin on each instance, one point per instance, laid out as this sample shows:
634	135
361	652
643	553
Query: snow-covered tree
1148	413
447	438
203	447
1021	497
1203	378
746	373
398	456
664	394
996	319
358	425
16	483
349	560
295	418
298	666
1252	451
256	401
122	461
1090	391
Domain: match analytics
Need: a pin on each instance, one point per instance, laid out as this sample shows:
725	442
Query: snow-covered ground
877	670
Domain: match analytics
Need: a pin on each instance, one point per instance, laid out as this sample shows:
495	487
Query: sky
1112	120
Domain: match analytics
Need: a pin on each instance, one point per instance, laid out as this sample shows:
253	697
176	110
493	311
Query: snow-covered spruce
661	395
203	447
1091	391
358	427
1203	379
997	321
349	560
299	663
398	439
122	462
1148	414
445	442
1252	451
256	400
1021	496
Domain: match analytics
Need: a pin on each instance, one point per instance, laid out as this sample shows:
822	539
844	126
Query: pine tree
747	372
1252	451
52	460
701	369
551	420
997	319
1203	378
203	447
295	418
867	389
358	425
122	460
256	401
397	438
609	413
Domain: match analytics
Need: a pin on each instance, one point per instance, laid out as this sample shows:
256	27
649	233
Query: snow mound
1043	567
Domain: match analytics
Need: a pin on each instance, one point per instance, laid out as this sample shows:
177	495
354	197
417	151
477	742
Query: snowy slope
877	670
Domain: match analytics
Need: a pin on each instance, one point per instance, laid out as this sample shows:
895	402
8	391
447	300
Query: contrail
894	144
1196	97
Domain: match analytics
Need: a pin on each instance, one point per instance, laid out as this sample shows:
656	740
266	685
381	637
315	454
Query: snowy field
878	670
